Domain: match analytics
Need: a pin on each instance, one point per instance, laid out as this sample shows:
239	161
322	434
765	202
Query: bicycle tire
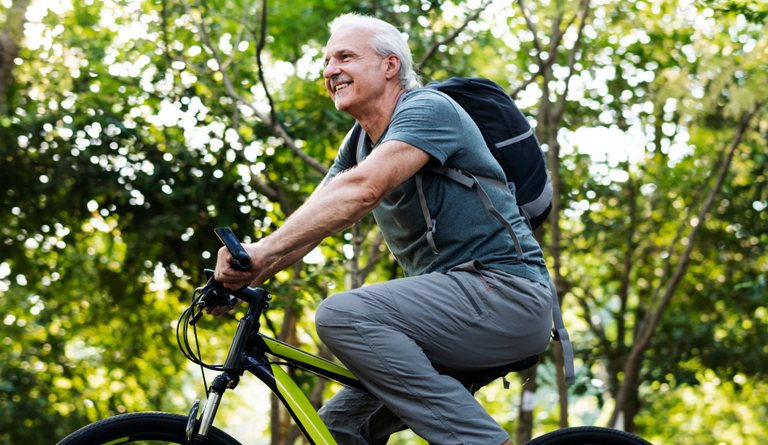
154	428
588	435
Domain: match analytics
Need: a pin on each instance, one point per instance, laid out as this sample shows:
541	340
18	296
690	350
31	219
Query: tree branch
167	48
11	35
259	48
198	68
670	251
596	329
627	264
375	256
558	110
532	27
634	360
276	127
435	45
275	194
525	84
238	39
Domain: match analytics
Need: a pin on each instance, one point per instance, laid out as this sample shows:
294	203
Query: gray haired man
475	306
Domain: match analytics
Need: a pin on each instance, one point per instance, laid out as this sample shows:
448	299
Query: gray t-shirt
464	229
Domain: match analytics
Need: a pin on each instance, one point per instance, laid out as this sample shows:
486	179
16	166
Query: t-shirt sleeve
430	122
345	159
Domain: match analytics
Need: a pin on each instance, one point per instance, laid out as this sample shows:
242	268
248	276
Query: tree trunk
355	271
10	43
525	413
555	250
550	115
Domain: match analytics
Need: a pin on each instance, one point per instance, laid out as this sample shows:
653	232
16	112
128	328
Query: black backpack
510	139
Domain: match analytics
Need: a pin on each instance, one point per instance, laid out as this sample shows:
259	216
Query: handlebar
215	294
241	261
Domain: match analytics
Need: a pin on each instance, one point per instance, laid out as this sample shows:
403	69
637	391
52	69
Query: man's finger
218	310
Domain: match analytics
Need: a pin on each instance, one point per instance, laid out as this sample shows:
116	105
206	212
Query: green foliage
125	139
754	11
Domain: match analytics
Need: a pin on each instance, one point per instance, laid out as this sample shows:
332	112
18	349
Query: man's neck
375	120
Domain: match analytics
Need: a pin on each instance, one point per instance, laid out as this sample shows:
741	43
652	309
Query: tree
10	39
130	131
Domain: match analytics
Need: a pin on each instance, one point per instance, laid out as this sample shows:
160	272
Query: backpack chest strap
467	179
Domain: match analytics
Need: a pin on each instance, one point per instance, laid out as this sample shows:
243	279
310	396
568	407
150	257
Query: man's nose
330	69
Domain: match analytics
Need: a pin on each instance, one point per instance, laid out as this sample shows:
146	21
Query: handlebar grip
241	259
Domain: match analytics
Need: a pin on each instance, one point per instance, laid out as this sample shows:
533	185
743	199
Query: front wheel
588	435
151	428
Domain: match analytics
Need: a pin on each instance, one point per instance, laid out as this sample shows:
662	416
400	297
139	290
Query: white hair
386	40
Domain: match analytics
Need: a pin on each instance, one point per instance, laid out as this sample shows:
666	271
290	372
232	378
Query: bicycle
264	357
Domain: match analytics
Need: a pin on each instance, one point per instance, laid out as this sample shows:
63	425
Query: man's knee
337	311
333	311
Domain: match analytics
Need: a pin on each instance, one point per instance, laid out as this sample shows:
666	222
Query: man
468	304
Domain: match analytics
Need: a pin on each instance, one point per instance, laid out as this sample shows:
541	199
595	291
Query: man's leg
388	334
357	418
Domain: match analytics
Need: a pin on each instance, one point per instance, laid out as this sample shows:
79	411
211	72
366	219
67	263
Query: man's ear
392	67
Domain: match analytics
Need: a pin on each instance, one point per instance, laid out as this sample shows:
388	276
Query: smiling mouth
341	86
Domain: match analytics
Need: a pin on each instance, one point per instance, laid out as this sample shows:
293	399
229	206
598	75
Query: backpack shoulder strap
357	141
467	180
419	177
559	333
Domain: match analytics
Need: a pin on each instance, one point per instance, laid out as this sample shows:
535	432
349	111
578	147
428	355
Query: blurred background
129	129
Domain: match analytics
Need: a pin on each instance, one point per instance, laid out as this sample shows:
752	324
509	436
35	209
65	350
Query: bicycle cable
193	354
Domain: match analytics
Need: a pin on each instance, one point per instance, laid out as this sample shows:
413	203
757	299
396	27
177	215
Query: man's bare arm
331	209
348	197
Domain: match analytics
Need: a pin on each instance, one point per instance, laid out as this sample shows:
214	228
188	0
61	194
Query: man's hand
230	278
227	275
221	310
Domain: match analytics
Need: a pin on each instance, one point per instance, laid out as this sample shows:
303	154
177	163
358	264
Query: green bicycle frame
294	400
253	352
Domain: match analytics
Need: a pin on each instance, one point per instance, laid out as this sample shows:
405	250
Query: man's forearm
340	203
282	264
330	210
300	233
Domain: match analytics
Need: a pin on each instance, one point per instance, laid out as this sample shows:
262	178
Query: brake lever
196	317
203	304
213	294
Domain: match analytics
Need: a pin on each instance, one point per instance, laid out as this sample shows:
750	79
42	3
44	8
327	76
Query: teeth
341	85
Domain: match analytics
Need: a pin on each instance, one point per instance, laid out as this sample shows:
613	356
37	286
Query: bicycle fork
226	380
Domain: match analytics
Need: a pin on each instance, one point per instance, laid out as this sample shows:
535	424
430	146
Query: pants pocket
466	292
438	304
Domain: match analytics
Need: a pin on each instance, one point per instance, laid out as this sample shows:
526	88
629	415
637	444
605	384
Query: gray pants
393	335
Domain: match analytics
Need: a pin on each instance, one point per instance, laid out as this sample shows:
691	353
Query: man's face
353	73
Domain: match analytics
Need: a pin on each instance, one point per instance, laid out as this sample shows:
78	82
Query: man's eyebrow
337	52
